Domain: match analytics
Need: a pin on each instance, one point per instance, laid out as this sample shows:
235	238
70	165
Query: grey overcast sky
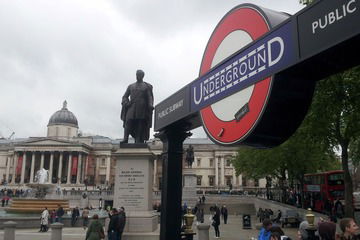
87	52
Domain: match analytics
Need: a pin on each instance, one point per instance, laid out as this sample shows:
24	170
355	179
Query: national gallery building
74	161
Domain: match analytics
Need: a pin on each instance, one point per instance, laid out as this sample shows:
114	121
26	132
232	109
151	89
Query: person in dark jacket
224	213
113	225
74	216
122	222
60	213
216	221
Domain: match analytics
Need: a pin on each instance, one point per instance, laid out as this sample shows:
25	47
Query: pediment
47	141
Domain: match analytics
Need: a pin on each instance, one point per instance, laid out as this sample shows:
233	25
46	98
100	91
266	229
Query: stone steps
36	205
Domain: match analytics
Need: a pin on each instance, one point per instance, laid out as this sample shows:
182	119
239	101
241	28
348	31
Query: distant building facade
75	161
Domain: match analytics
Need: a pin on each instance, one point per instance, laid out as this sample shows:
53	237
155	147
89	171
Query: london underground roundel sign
238	117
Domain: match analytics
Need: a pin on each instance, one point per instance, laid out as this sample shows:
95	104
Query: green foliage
335	121
306	2
297	156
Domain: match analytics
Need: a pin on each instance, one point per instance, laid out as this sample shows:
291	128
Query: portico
65	161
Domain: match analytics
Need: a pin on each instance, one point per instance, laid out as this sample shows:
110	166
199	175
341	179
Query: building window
160	183
228	162
198	180
102	179
211	180
68	132
103	162
256	181
198	161
228	180
244	181
57	131
211	161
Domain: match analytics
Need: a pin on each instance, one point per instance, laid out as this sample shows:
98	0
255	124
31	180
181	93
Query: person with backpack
95	230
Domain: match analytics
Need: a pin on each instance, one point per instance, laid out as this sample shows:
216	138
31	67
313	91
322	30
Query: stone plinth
133	187
189	188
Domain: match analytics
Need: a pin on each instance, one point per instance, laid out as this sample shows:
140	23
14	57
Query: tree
301	154
335	119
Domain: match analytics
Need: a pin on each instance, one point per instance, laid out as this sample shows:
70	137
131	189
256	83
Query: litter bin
246	221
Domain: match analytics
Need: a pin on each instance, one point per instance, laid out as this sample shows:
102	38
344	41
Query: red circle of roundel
250	20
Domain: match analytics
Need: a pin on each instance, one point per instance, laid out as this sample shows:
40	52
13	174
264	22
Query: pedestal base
142	221
133	187
189	190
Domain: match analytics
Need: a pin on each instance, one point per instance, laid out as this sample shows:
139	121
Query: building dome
63	117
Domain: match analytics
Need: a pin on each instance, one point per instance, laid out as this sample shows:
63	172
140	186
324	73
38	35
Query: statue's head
140	75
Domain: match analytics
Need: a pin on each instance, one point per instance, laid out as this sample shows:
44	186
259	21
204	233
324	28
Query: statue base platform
189	190
133	187
133	145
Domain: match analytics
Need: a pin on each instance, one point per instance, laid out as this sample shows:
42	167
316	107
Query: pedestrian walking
122	222
203	198
44	220
113	224
265	233
199	216
215	221
74	216
224	213
53	216
339	209
95	230
85	217
60	213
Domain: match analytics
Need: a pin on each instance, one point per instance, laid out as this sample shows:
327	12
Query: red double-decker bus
320	187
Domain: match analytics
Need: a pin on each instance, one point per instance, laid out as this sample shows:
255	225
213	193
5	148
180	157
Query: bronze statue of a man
190	156
137	107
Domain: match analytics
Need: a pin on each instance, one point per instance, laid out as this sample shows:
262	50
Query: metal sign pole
170	223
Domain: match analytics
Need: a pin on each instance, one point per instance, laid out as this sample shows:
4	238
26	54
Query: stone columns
9	230
108	162
14	168
60	167
97	169
22	177
8	160
33	155
42	160
78	169
56	231
86	167
222	171
69	169
155	172
240	180
234	177
216	171
51	167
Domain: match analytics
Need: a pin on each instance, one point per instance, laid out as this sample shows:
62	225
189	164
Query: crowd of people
94	231
325	229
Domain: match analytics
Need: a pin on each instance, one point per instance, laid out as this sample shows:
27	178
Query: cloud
87	52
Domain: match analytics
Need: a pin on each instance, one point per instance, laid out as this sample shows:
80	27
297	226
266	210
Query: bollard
203	231
9	230
56	231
